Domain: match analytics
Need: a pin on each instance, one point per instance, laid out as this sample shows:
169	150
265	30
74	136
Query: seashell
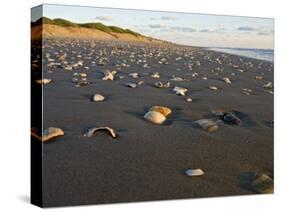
131	85
155	75
83	75
180	91
258	77
133	75
226	80
92	131
162	85
165	111
68	68
155	117
189	99
230	118
240	70
204	78
48	134
263	184
177	79
108	75
214	88
194	172
140	83
207	124
268	85
98	98
81	84
43	81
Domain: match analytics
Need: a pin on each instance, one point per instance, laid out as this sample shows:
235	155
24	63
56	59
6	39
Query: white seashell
140	83
154	117
268	85
207	124
131	85
226	80
91	131
180	91
68	68
204	78
108	75
155	75
189	99
194	172
214	88
133	75
83	75
177	79
98	98
43	81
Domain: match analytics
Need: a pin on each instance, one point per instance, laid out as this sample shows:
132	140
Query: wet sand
147	161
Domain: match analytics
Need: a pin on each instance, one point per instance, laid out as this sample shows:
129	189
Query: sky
182	28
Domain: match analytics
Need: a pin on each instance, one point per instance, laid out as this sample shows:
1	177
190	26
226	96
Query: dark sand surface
147	161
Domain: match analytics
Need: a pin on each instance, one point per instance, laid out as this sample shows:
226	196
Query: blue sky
183	28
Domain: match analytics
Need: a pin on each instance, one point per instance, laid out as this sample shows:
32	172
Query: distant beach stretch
135	110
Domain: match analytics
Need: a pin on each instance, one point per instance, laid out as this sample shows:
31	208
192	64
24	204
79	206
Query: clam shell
207	124
162	85
155	117
133	75
262	183
98	98
165	111
189	99
194	172
268	85
48	134
92	131
214	88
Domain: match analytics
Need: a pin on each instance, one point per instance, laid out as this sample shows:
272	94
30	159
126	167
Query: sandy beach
148	161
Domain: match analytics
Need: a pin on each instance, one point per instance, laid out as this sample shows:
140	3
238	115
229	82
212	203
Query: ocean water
260	54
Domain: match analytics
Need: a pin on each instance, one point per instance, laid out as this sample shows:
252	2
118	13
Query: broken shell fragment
131	85
92	131
98	98
133	75
214	88
207	125
226	80
180	91
43	81
258	77
48	134
108	75
155	117
263	184
155	75
194	172
162	85
165	111
268	85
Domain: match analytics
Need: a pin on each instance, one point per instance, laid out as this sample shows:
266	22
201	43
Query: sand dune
55	31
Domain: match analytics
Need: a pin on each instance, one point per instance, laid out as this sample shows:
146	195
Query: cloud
220	30
164	18
265	32
183	29
168	18
104	18
155	26
247	28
